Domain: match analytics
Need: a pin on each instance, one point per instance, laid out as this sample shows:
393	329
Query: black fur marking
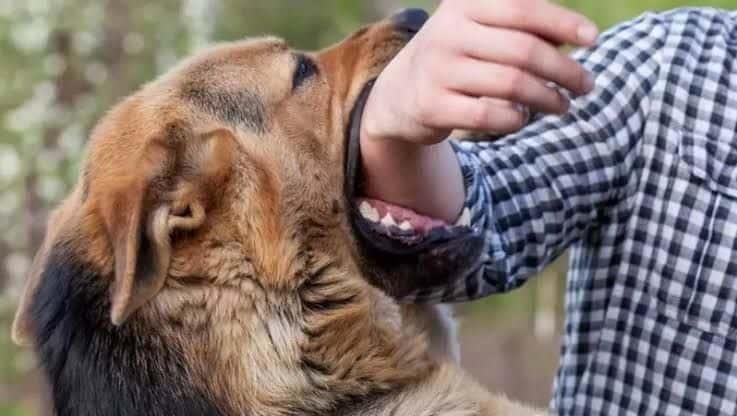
312	366
370	401
240	108
321	295
95	368
329	303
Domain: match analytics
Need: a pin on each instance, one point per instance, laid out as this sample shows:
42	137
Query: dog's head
236	169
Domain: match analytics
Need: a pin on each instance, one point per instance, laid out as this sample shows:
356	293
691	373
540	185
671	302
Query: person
633	167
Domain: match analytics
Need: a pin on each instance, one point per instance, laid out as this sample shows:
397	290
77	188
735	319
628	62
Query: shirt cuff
476	214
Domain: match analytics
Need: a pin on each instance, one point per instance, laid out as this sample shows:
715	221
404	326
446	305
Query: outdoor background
64	62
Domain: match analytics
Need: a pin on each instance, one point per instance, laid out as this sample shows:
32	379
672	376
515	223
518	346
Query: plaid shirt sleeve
536	192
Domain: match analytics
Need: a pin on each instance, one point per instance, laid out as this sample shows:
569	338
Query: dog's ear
180	175
140	238
139	202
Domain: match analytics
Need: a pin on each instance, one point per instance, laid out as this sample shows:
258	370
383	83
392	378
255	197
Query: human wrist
424	178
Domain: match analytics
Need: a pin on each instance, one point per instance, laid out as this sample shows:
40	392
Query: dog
212	259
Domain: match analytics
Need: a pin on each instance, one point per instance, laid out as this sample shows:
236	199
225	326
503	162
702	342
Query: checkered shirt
639	180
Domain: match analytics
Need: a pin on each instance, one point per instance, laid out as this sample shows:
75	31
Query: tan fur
256	278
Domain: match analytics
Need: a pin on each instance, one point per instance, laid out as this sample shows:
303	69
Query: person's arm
537	191
474	65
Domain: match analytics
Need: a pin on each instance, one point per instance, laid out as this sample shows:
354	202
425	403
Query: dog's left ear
171	190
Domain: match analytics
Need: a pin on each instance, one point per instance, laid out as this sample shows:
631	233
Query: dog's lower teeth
405	226
388	221
368	212
465	219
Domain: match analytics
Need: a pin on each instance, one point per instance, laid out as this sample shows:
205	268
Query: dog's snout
410	20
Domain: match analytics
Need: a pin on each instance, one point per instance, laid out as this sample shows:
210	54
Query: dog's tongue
394	216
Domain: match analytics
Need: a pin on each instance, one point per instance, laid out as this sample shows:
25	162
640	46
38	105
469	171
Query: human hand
478	64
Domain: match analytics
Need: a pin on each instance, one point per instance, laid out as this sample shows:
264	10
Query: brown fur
211	205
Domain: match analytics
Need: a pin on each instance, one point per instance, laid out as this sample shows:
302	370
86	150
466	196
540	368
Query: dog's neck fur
95	368
315	350
317	355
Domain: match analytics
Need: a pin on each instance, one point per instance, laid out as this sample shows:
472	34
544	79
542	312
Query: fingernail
587	33
588	82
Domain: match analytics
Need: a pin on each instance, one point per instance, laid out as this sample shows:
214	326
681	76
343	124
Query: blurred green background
64	62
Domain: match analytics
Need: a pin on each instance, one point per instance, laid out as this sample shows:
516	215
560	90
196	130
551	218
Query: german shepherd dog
211	259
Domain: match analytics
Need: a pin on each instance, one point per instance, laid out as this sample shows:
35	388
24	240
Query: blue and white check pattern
639	180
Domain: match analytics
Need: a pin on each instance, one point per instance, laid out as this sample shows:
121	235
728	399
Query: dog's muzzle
380	224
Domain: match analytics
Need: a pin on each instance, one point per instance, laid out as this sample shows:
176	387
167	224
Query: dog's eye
304	69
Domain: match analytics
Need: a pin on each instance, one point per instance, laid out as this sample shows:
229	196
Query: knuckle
481	115
517	12
512	83
528	50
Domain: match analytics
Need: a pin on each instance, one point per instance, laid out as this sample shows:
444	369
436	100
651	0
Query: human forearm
425	178
537	191
475	65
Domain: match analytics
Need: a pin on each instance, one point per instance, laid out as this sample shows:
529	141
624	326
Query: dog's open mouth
402	230
385	226
395	220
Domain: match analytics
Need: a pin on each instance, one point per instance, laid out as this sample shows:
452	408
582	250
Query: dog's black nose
410	20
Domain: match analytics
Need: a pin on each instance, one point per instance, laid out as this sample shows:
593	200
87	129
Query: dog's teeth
388	220
369	212
405	226
465	219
